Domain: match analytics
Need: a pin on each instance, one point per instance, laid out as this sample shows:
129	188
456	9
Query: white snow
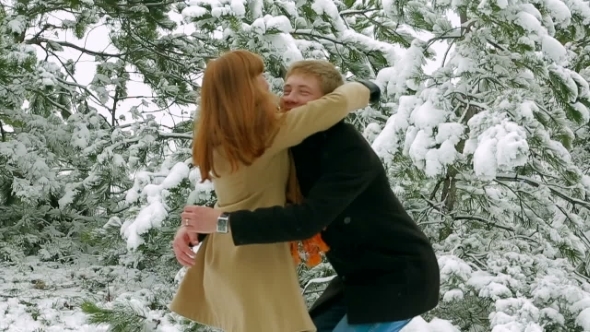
500	148
529	22
155	211
329	8
427	115
453	295
280	23
531	9
193	12
238	8
46	296
178	173
68	196
395	80
418	324
387	142
553	49
583	319
17	25
522	271
530	19
559	11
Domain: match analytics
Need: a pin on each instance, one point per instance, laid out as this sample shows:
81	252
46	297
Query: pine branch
351	12
453	34
536	184
392	33
51	101
437	206
152	4
2	132
485	221
122	318
316	282
39	40
78	85
175	135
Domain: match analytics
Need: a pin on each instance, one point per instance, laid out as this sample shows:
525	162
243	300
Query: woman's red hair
238	117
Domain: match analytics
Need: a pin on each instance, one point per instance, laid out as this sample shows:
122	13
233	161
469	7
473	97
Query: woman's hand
200	219
181	246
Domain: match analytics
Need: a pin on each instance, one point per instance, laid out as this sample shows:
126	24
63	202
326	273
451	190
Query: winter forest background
483	126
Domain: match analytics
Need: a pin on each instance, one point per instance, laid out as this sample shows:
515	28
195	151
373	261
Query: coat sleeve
347	171
320	114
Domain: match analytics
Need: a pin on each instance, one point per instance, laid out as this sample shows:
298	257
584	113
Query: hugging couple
293	182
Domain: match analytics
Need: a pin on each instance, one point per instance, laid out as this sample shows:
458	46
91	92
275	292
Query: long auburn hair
237	116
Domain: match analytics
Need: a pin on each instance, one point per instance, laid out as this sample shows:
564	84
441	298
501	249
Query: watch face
222	225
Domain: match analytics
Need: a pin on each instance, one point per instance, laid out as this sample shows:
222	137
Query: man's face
300	89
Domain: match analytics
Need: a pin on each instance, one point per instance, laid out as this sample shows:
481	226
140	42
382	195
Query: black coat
386	266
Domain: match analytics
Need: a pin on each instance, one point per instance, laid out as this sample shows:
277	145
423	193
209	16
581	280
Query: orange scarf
313	247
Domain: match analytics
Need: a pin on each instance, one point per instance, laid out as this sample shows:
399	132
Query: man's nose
290	99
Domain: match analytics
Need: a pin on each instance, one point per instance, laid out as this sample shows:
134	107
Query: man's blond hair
325	72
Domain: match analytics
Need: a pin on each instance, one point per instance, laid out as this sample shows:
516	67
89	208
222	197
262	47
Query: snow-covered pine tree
78	131
483	152
68	146
487	152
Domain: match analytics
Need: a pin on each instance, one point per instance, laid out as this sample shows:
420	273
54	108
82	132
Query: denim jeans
327	320
397	326
333	319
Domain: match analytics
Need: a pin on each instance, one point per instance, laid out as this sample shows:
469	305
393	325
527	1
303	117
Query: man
387	270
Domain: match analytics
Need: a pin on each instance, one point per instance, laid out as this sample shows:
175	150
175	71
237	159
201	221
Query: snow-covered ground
46	297
43	297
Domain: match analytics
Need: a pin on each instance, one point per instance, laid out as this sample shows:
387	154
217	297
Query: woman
241	144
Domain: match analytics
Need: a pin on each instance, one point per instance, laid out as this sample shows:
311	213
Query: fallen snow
46	296
435	325
41	296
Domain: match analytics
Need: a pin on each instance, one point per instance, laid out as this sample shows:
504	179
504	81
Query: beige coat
254	288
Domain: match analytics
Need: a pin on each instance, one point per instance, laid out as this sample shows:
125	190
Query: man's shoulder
344	133
346	141
341	128
339	136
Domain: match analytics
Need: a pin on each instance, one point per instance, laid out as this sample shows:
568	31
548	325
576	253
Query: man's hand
200	219
181	245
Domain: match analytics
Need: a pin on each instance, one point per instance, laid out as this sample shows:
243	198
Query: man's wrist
223	223
374	90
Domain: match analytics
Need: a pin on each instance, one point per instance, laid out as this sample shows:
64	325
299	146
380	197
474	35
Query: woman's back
260	184
250	288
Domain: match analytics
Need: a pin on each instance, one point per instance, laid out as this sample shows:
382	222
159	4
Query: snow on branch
483	220
534	183
317	281
39	40
175	135
151	193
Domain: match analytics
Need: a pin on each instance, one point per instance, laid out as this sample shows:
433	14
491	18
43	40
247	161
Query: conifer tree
481	151
488	152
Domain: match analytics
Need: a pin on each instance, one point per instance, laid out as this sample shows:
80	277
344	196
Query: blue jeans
397	326
333	319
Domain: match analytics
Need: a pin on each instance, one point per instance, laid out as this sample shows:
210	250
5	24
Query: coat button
347	220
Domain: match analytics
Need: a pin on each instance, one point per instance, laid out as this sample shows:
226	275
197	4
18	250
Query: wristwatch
223	223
